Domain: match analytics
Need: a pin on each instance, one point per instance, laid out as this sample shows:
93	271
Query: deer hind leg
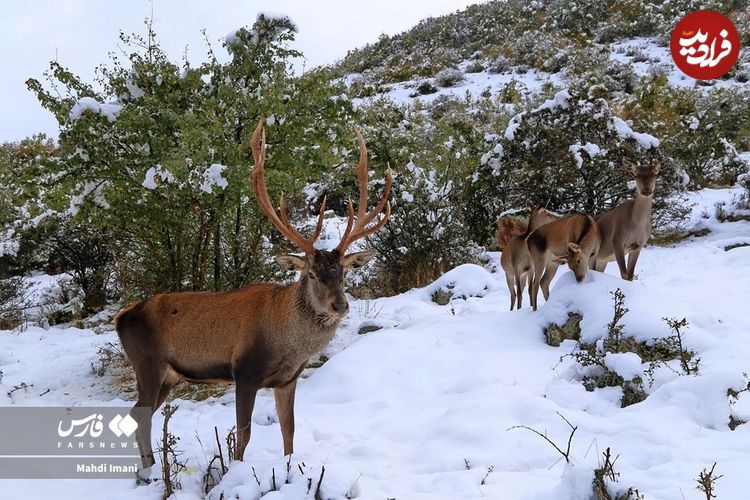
245	391
632	259
537	268
520	284
170	379
150	376
284	397
509	280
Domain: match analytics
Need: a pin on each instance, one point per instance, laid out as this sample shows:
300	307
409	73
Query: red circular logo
705	45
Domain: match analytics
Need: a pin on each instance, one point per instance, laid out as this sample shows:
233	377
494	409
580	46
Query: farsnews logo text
93	426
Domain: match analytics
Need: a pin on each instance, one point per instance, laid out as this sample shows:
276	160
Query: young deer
258	336
627	228
574	239
515	259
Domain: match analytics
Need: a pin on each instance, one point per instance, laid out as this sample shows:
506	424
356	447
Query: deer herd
532	254
263	335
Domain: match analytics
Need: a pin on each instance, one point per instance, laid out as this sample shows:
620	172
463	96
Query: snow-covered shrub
426	87
449	77
576	18
424	237
631	18
744	181
475	67
499	65
569	150
533	48
590	68
616	360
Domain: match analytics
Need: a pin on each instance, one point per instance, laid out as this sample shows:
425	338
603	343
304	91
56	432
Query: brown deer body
627	228
515	259
574	239
258	336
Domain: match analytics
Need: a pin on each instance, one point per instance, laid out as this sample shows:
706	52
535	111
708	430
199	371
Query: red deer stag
574	239
515	259
258	336
627	228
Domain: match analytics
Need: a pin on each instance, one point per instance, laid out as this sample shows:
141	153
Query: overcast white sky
80	33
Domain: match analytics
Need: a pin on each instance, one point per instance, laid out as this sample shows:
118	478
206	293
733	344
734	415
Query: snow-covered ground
645	56
423	407
474	84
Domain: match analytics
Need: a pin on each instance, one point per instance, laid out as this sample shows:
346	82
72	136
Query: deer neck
642	207
306	312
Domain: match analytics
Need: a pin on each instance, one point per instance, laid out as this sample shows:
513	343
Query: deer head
322	272
644	175
539	215
577	261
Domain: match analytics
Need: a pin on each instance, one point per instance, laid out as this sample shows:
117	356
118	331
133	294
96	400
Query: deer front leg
620	256
632	259
284	397
549	273
245	401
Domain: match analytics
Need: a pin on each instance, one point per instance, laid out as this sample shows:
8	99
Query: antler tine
355	231
264	201
362	175
319	226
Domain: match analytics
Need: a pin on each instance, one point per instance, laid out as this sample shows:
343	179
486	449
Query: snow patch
108	110
213	176
164	175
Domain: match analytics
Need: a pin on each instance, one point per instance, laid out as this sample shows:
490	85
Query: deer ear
529	204
629	165
291	262
661	165
573	247
358	259
560	259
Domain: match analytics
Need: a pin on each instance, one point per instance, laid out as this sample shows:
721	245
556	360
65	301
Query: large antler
355	231
307	245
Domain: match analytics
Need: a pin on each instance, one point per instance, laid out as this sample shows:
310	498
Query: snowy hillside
426	406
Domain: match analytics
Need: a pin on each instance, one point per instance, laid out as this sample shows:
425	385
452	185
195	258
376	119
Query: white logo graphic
93	426
123	425
707	56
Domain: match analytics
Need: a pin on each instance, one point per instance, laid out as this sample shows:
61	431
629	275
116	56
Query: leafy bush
87	254
159	160
701	131
12	302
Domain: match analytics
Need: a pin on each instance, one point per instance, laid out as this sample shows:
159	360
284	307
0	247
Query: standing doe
574	239
258	336
515	259
627	228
